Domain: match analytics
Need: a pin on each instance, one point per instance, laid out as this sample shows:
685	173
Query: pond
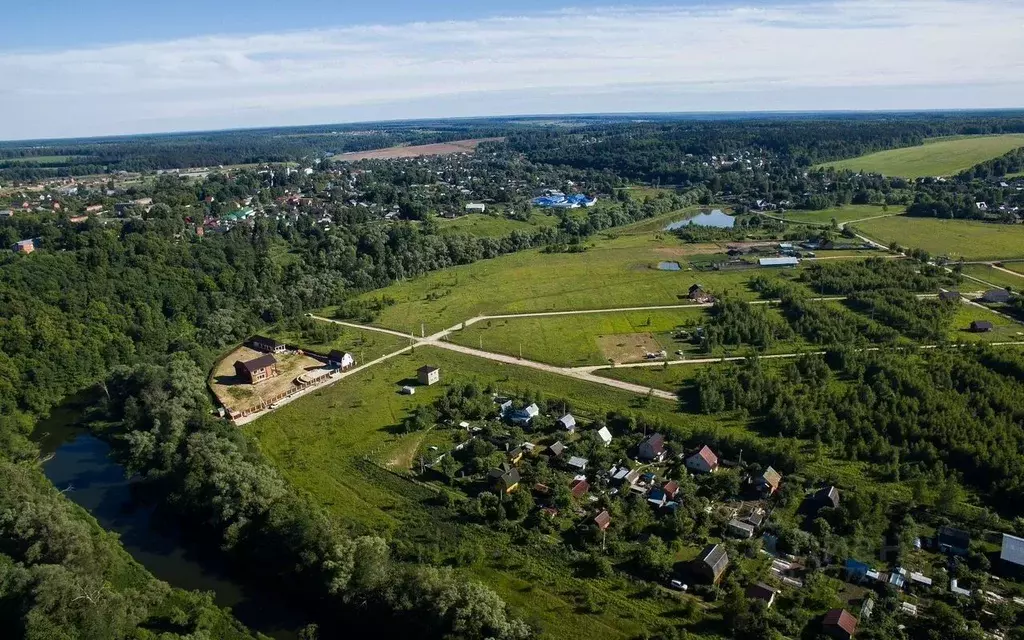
715	218
669	266
80	465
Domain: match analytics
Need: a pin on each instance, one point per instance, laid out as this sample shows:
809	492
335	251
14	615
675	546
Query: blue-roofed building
856	570
556	200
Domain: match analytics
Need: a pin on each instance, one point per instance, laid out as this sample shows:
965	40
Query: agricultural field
596	339
965	239
841	215
238	395
493	226
992	276
938	157
1016	267
616	270
415	151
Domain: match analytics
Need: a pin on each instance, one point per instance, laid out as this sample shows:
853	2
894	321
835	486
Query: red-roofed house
602	520
579	488
652	448
704	461
839	624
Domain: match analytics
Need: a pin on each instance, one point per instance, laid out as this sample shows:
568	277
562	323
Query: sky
73	68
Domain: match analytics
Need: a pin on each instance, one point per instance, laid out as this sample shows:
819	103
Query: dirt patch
628	347
687	250
238	395
416	151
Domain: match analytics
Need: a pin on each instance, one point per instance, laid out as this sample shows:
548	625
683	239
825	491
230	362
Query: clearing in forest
416	151
967	239
237	394
938	157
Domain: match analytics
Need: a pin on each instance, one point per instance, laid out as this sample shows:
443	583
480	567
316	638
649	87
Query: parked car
678	586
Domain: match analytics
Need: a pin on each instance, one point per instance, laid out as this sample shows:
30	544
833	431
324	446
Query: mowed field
364	345
965	239
841	215
1003	329
415	151
617	270
939	157
992	276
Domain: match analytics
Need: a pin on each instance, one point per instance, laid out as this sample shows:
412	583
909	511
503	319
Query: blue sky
72	68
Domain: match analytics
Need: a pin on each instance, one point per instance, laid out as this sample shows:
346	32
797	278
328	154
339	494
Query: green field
1003	329
1016	267
363	345
992	276
841	215
595	339
965	239
493	226
40	159
669	378
617	270
939	157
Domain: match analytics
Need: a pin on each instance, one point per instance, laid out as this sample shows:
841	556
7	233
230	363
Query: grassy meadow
991	276
493	226
965	239
841	215
618	269
362	344
1003	329
938	157
1016	267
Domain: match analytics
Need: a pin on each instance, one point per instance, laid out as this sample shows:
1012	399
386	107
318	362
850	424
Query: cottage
267	345
605	435
826	497
704	461
556	449
839	624
525	416
340	359
427	375
577	464
711	563
652	448
996	295
515	455
768	482
505	478
953	541
981	326
579	487
602	520
257	370
949	296
477	207
740	529
763	592
24	246
1012	552
671	488
699	295
567	422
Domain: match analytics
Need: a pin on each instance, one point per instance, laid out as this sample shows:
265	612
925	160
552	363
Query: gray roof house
711	562
567	422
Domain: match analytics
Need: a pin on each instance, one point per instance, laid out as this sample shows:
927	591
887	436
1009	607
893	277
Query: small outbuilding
428	375
996	295
267	345
605	435
826	497
839	624
763	592
981	326
953	541
602	520
340	359
768	482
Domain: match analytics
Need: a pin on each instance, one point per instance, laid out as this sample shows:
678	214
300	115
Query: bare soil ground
628	347
238	395
415	151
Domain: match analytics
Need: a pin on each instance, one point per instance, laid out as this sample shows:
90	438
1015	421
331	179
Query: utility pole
423	330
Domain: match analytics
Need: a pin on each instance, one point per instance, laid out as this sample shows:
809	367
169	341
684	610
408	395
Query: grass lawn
492	226
618	269
954	238
849	213
666	378
1003	329
363	345
934	158
1017	267
992	276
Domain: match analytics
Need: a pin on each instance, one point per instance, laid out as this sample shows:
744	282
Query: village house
1011	554
24	246
996	295
577	464
602	520
340	359
981	326
699	295
740	529
6	213
257	370
605	435
556	449
763	592
523	417
711	563
428	375
267	345
505	478
704	461
671	488
839	624
768	482
579	488
826	497
515	456
953	541
653	448
567	422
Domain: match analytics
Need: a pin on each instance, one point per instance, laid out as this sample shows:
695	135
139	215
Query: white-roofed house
605	435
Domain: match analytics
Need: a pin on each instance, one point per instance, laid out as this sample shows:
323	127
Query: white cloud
871	53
